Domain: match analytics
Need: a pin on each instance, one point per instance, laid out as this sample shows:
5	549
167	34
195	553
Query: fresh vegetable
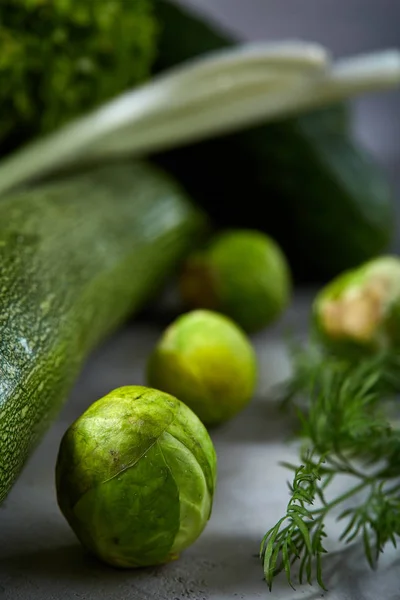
360	309
151	116
207	361
302	180
345	431
135	477
77	256
63	57
353	318
241	273
342	386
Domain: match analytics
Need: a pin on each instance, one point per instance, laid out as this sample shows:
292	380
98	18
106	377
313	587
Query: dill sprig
310	358
346	431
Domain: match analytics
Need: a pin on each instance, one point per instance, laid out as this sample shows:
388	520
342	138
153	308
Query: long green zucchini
303	180
77	256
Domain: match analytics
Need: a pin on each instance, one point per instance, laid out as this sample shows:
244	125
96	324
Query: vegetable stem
219	93
342	498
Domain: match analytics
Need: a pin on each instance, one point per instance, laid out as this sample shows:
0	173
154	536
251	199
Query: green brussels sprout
242	274
59	58
135	477
360	309
207	360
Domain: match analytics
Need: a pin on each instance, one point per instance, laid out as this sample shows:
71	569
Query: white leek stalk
218	93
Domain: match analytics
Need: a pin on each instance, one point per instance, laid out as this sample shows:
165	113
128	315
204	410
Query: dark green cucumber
77	257
303	180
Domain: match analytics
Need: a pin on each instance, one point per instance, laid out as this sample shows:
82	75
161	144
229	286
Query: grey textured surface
40	559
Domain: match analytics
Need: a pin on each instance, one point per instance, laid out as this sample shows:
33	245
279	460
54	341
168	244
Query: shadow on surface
65	568
216	564
219	565
228	564
347	570
53	562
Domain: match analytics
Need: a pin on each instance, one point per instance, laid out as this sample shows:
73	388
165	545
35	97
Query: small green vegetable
207	361
135	477
360	309
61	58
243	274
78	255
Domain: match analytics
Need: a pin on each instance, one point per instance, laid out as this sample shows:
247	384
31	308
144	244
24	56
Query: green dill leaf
309	570
274	569
300	510
351	527
294	549
367	547
319	572
286	563
268	553
288	466
303	528
303	568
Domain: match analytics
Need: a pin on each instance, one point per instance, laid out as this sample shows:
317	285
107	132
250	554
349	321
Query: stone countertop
40	559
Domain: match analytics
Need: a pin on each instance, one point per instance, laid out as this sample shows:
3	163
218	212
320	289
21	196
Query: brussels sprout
135	477
206	360
243	274
360	309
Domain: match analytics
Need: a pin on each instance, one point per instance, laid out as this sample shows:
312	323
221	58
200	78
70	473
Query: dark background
345	27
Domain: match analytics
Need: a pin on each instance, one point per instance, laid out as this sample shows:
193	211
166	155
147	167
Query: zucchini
303	180
77	256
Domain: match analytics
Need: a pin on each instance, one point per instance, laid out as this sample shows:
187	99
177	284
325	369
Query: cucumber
77	256
302	180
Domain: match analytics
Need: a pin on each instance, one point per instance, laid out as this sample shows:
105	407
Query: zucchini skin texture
302	180
77	257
